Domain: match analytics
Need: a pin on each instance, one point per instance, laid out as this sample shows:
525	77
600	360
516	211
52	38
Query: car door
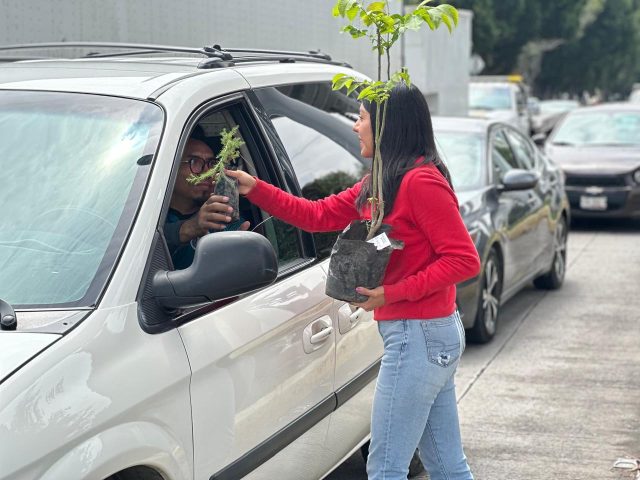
539	198
324	154
515	217
263	364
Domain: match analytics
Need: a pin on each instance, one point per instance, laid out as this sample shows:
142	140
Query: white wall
438	61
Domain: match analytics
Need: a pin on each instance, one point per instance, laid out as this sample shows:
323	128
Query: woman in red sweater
414	403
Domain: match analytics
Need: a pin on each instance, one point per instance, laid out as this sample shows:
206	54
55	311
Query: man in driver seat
194	211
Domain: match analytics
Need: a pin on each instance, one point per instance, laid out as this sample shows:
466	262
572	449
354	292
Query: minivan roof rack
216	55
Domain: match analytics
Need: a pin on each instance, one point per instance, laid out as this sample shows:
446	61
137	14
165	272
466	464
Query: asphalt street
556	394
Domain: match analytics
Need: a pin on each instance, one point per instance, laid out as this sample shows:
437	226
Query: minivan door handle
348	317
317	333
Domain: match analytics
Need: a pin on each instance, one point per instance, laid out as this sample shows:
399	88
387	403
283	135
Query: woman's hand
376	298
245	181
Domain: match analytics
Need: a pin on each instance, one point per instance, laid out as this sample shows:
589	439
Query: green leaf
425	15
341	7
366	18
352	88
377	7
449	11
422	4
337	77
354	32
365	93
388	20
353	12
335	11
447	21
339	83
414	22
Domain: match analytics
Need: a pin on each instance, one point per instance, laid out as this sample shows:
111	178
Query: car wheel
486	323
415	467
553	279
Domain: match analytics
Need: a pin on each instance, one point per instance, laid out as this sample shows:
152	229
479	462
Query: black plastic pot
357	263
228	187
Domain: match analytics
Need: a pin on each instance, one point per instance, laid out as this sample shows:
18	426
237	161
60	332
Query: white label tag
380	241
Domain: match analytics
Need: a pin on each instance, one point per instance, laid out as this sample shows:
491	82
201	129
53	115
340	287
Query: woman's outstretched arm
332	213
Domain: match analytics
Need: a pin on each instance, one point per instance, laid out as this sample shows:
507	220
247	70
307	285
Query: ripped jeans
415	401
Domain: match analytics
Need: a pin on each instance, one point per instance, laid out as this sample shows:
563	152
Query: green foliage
230	151
595	42
606	56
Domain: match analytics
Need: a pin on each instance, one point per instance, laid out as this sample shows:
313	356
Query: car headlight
636	176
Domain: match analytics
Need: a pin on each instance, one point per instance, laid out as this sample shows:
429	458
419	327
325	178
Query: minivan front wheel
486	323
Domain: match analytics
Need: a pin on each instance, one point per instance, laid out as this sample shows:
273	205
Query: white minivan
114	365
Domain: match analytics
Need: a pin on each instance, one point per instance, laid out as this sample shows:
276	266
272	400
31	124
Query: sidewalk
560	398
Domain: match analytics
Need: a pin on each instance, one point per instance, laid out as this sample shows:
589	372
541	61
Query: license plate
593	203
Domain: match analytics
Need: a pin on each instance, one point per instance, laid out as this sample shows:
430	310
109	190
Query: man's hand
213	215
376	298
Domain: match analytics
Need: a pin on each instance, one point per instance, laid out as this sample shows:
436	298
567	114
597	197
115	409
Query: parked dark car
513	202
598	148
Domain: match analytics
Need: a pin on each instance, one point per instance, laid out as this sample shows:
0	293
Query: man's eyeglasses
197	165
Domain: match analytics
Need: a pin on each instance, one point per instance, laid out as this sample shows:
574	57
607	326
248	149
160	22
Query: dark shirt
182	253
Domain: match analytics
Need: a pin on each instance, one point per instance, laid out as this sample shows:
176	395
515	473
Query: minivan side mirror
518	179
225	264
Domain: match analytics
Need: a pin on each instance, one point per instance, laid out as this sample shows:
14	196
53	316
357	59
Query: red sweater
420	280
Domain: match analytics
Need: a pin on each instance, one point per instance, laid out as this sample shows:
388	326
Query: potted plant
224	185
361	252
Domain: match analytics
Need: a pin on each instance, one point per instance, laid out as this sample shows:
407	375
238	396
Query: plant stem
378	46
378	215
388	59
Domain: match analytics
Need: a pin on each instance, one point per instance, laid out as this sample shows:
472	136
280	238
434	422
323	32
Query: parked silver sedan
513	202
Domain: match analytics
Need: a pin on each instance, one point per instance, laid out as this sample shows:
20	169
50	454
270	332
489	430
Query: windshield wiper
8	320
564	144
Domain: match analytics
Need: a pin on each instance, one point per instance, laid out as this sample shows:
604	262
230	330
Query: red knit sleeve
435	212
332	213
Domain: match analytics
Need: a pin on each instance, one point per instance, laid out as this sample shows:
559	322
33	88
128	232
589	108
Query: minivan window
74	167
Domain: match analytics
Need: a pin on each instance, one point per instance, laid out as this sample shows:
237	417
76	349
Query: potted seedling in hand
224	185
361	253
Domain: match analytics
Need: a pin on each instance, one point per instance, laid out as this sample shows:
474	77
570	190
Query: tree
606	56
560	46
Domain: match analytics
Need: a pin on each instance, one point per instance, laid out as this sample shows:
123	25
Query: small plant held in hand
224	185
373	20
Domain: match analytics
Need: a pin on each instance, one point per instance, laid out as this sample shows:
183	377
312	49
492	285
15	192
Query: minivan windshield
74	167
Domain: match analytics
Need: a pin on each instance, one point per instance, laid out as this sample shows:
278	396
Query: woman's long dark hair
408	134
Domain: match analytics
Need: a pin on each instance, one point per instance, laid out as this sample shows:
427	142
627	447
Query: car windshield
489	97
74	167
463	153
600	128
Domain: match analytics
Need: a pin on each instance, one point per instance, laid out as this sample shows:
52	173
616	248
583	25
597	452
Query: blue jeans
415	400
